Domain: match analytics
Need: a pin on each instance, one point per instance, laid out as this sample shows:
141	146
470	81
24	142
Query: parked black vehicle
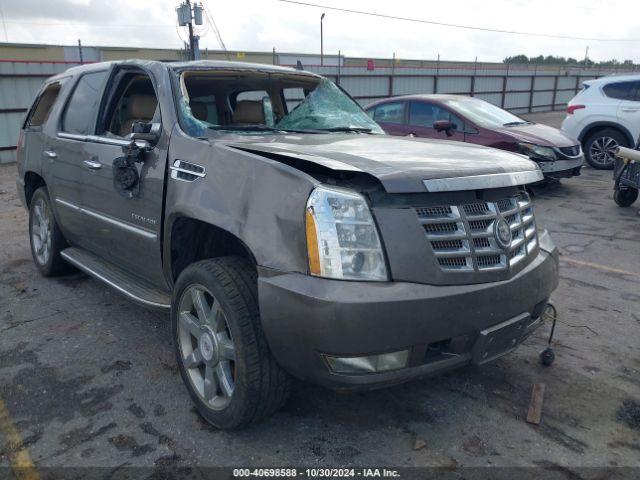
283	230
626	176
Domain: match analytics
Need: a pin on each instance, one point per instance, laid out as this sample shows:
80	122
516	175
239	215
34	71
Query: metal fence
520	89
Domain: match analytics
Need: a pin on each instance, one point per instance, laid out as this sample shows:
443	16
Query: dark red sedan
469	119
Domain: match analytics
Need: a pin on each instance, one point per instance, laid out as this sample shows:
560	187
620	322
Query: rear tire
625	197
599	148
222	354
45	236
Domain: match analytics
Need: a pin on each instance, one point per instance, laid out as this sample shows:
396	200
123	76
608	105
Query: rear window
620	90
82	108
42	106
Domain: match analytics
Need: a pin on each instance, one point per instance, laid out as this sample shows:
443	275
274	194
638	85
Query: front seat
199	110
140	108
248	111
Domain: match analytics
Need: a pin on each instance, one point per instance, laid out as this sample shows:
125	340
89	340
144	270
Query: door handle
411	135
630	109
49	154
93	165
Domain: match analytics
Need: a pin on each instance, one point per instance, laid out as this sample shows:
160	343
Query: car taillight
573	108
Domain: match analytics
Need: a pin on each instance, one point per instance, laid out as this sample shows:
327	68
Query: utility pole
192	53
186	15
321	41
80	50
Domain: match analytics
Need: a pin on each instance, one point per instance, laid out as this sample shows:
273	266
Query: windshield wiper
347	129
513	124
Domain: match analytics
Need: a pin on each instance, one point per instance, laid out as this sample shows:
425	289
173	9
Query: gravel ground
89	379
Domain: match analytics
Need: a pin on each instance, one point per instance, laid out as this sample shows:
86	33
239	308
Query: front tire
625	197
45	236
599	148
222	354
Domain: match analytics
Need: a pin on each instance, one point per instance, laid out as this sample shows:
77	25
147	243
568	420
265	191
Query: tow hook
547	356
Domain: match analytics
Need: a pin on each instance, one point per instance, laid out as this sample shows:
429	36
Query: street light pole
321	41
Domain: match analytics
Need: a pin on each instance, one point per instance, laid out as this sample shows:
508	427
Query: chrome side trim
196	171
72	136
190	172
68	204
483	182
116	142
113	285
112	221
118	223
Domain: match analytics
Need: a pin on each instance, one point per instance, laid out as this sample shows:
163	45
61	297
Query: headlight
538	152
342	238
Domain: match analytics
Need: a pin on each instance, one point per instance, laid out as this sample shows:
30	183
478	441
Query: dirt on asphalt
89	379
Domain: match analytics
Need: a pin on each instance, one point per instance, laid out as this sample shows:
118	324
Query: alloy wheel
603	150
206	346
41	231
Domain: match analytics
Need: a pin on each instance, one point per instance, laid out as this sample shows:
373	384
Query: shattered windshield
258	102
328	108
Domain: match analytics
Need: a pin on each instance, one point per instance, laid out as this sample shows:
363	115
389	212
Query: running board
135	289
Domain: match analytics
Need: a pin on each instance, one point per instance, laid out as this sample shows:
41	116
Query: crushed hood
400	164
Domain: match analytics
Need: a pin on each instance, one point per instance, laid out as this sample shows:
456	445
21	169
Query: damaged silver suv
288	236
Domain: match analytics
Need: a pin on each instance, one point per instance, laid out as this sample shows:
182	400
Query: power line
215	27
453	25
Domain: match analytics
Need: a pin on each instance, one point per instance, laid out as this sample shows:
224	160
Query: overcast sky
264	24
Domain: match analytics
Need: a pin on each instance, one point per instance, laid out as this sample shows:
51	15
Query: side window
619	90
134	100
421	114
82	107
42	106
390	113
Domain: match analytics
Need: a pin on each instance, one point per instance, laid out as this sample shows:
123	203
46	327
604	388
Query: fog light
369	364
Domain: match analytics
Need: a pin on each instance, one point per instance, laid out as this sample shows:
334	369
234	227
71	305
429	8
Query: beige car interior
138	103
139	108
200	110
248	112
225	86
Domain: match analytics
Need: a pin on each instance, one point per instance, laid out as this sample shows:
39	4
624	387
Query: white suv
605	114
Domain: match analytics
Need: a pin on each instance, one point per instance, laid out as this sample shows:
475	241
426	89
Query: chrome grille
463	237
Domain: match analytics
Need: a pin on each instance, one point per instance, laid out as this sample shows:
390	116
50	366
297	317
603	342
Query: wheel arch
191	240
594	127
32	182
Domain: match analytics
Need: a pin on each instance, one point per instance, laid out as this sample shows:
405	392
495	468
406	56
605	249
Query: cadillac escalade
287	235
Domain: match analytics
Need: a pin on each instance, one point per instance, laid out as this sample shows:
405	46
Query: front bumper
562	168
443	327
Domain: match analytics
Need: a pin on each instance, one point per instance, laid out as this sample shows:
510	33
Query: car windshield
257	102
484	113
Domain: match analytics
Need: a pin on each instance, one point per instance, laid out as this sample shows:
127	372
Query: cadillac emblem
502	232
